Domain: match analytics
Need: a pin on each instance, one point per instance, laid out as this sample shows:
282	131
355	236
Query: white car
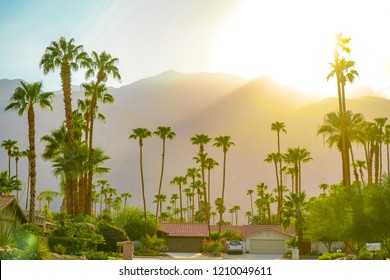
234	246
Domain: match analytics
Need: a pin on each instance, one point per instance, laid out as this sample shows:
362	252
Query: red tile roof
253	229
184	229
200	230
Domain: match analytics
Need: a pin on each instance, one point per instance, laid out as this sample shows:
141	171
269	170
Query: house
260	239
11	215
41	221
266	239
184	237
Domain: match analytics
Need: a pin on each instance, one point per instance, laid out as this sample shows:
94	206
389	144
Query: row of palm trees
201	159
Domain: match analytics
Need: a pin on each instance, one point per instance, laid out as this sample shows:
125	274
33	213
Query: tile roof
6	200
10	200
200	230
184	229
253	229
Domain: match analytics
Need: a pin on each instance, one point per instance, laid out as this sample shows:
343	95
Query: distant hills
211	103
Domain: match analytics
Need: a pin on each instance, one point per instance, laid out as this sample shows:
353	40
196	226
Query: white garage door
262	246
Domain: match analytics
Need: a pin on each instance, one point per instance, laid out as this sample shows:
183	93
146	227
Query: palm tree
323	187
201	140
193	173
8	184
277	158
66	56
48	195
180	181
361	164
125	196
221	208
296	156
103	184
8	145
141	134
210	164
248	214
295	208
333	128
26	153
279	127
225	143
24	99
102	66
380	124
16	154
164	132
386	140
236	208
343	70
250	193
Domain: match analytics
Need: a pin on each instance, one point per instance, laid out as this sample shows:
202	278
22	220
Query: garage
266	239
258	246
188	245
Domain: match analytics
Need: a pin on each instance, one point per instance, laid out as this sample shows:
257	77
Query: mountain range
211	103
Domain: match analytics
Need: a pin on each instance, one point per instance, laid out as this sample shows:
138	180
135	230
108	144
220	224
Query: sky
291	41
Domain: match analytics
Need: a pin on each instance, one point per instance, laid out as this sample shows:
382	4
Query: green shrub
150	246
9	253
131	220
36	249
59	249
331	256
212	246
92	255
111	235
74	246
230	235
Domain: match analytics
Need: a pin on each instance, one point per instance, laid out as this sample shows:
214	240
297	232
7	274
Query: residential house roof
184	229
10	201
248	230
177	229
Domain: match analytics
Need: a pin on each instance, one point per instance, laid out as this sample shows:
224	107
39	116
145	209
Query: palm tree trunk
32	161
223	191
355	172
181	203
142	181
161	179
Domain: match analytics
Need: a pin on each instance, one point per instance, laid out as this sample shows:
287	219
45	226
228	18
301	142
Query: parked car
234	247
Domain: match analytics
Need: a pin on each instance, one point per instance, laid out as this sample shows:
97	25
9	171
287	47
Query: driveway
199	256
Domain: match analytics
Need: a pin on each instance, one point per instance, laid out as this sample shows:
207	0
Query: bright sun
292	41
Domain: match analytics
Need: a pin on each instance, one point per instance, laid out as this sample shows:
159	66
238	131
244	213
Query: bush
73	245
131	220
111	235
36	249
96	255
59	249
9	253
230	235
150	246
212	246
331	256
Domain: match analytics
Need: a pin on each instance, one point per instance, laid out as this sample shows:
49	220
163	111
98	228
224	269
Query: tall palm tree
193	173
164	132
279	127
101	66
225	143
141	134
125	196
24	99
201	140
277	159
340	129
26	153
210	164
66	56
180	181
295	209
48	195
16	154
236	208
250	193
344	71
297	156
380	124
8	145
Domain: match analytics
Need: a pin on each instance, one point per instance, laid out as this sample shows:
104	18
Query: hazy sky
290	40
